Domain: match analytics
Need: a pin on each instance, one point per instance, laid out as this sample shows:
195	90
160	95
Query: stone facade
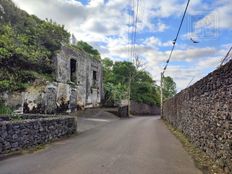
30	131
144	109
79	79
78	85
203	112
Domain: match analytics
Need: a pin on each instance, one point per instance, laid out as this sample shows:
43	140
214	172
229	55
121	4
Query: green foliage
116	83
169	87
6	85
4	109
84	46
144	89
107	70
115	93
27	45
123	71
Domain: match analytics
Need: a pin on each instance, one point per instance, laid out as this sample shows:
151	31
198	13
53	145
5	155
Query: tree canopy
27	45
116	82
169	87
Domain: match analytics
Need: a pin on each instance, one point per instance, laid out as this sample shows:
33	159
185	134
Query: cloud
185	63
192	63
61	11
104	24
219	18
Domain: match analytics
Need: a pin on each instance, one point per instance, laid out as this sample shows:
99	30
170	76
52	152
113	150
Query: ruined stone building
78	85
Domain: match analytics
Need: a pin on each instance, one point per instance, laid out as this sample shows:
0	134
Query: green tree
27	45
107	70
169	87
123	71
116	82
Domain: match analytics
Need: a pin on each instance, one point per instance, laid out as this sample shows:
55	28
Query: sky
105	24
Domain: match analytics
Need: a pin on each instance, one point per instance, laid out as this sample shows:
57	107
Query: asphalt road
141	145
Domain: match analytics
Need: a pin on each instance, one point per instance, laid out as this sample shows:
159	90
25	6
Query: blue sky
104	24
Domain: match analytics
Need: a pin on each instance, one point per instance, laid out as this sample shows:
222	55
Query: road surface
140	145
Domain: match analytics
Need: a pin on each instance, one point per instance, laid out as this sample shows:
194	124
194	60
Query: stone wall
203	112
28	131
144	109
64	94
88	90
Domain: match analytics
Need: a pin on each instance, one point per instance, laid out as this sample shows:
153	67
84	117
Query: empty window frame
73	70
94	78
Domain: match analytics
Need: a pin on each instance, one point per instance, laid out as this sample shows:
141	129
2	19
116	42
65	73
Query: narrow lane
141	145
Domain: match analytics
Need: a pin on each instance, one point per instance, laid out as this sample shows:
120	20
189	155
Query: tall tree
107	70
120	76
169	87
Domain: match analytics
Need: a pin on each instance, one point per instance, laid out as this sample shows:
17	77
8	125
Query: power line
190	81
129	27
176	38
227	57
169	58
132	32
135	27
135	13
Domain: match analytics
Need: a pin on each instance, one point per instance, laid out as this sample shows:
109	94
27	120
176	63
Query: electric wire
176	38
135	28
228	56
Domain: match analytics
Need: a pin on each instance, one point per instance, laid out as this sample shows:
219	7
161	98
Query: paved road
130	146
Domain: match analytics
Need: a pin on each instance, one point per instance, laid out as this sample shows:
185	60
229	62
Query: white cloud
153	42
219	18
107	22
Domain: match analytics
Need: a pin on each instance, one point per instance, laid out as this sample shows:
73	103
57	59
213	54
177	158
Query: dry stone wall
30	131
144	109
203	112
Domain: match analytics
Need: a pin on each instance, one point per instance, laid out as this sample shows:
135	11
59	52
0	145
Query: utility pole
129	96
161	94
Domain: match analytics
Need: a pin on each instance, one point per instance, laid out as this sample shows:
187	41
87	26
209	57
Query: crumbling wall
203	112
64	94
88	91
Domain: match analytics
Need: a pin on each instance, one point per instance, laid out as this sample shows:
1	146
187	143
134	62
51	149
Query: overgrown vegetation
27	45
4	109
84	46
118	76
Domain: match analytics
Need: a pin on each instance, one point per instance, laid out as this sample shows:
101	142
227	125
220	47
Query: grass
202	161
5	109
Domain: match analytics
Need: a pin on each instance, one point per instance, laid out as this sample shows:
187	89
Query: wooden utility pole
129	96
161	94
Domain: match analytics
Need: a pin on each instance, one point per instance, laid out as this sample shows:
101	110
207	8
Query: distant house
77	85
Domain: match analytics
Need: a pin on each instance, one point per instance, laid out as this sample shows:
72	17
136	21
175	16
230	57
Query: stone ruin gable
64	94
88	91
203	112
